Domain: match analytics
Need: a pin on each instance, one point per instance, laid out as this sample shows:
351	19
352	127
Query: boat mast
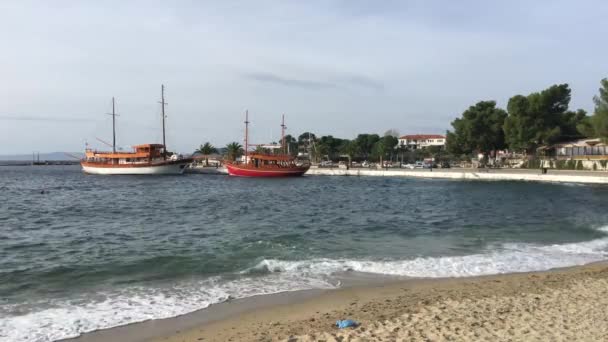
246	133
113	126
163	103
283	134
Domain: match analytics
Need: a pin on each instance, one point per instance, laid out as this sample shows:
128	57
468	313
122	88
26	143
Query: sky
332	67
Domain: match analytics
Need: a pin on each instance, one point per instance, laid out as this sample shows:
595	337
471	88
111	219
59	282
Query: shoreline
310	314
554	176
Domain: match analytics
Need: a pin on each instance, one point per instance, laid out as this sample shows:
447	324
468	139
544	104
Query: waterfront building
584	154
417	141
584	149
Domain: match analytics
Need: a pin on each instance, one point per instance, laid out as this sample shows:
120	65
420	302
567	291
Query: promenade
561	176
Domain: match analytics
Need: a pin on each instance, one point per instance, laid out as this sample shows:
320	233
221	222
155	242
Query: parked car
327	163
365	164
408	166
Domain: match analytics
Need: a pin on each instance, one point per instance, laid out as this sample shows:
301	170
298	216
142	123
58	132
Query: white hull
171	169
210	170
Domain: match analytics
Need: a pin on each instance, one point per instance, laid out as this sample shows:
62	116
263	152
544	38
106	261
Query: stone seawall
473	174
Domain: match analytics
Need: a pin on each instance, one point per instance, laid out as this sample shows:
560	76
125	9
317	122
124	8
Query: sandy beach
559	305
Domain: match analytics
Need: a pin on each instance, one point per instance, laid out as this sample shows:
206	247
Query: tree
306	138
307	143
585	127
365	143
234	150
384	147
599	120
329	146
291	145
261	150
350	149
401	149
392	132
542	118
571	122
455	143
480	129
206	149
390	144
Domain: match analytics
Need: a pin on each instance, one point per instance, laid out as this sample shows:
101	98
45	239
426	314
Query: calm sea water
79	253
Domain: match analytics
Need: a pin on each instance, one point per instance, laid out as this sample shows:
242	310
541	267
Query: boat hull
241	171
207	170
169	168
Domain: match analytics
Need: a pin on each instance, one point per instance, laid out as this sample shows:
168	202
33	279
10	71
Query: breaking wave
54	320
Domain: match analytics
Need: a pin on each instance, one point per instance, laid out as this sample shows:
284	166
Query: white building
417	141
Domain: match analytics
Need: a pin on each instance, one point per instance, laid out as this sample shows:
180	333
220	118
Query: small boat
207	164
201	168
146	159
267	165
207	170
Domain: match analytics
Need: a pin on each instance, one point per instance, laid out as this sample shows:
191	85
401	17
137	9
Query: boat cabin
260	160
143	154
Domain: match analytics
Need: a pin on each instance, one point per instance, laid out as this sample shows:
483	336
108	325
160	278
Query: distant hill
53	156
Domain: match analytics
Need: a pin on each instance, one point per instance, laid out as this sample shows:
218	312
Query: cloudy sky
333	67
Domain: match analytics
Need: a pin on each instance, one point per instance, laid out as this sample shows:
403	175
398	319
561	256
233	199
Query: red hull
247	171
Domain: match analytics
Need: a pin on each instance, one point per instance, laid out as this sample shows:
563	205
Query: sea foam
61	319
505	258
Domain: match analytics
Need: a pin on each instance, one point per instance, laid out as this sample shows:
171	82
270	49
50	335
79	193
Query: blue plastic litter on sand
345	323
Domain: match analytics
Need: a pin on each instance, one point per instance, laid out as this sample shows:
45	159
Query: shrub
571	164
579	165
533	164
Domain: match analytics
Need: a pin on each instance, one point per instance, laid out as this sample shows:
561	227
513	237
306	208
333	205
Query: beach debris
346	323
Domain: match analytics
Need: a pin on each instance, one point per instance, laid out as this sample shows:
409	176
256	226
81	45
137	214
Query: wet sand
565	304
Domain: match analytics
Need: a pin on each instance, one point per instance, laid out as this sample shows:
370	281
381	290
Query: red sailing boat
267	165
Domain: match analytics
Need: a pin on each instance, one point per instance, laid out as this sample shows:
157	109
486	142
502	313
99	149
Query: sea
80	253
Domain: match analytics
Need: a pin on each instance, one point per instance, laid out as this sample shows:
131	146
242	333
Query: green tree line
372	147
529	121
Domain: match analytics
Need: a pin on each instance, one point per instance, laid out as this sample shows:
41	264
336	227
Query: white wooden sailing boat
146	159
